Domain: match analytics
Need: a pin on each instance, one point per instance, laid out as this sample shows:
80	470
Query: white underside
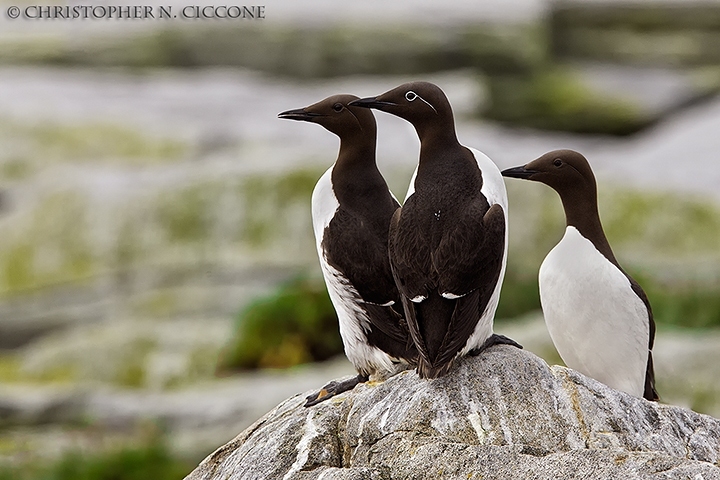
353	321
599	326
494	190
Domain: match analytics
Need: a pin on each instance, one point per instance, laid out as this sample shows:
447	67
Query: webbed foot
493	339
334	388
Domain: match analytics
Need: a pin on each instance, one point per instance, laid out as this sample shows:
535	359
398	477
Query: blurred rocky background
159	289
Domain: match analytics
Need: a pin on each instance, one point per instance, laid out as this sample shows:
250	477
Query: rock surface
505	414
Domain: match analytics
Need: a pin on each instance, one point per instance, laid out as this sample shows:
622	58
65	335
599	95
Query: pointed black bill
518	172
370	102
299	114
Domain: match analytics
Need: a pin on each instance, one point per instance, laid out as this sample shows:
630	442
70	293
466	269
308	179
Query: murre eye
557	162
410	96
337	107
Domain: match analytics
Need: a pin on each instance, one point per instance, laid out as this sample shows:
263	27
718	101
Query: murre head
570	175
566	171
337	116
421	103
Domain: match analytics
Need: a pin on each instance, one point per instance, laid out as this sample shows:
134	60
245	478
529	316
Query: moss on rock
296	324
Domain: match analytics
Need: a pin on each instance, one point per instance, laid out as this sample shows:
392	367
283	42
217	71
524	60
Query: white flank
418	299
598	324
353	321
494	190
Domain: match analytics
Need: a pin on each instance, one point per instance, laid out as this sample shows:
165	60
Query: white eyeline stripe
411	96
428	103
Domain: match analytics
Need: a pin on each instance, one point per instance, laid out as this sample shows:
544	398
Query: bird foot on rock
493	339
334	388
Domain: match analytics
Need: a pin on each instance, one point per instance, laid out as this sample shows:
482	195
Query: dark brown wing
412	325
470	254
470	270
408	307
389	331
462	324
409	249
360	254
466	263
359	251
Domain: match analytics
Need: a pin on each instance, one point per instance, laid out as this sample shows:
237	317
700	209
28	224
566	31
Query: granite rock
504	414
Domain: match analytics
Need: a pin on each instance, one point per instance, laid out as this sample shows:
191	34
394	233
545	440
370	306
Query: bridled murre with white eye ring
448	243
411	96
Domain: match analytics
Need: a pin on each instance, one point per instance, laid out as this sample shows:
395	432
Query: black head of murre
338	117
357	182
566	171
569	174
423	104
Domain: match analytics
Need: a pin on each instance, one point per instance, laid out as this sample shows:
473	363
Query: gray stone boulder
503	415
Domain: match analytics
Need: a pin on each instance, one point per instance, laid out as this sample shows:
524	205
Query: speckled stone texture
505	414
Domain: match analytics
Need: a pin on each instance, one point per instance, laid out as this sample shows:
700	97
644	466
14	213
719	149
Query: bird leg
334	388
493	339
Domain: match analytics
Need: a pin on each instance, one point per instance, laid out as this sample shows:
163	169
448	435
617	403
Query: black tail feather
650	392
426	370
433	317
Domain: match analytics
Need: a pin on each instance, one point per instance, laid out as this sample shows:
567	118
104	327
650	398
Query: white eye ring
411	96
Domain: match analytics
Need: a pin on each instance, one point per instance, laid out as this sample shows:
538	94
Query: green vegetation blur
295	325
151	461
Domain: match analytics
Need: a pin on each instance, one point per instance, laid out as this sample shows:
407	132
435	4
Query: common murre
599	318
448	243
351	211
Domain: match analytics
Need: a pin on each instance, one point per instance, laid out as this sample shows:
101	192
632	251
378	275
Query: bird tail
433	316
426	370
650	392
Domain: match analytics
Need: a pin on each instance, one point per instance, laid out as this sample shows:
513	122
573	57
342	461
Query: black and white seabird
599	318
351	211
448	243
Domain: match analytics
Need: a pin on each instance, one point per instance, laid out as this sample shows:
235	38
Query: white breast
324	205
354	323
493	184
494	190
411	187
599	326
